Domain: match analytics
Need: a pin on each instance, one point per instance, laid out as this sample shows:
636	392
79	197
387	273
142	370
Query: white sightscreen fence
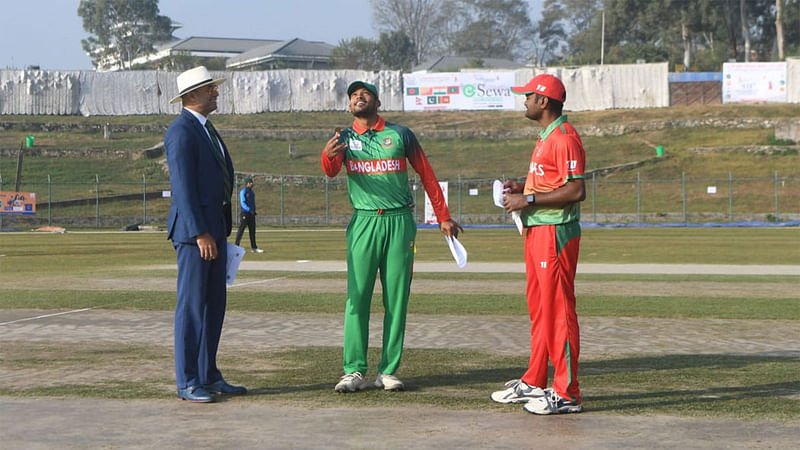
149	92
89	93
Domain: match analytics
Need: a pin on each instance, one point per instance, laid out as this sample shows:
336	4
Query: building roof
294	49
456	63
216	45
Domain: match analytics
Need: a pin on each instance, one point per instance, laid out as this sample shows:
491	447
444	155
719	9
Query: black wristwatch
531	199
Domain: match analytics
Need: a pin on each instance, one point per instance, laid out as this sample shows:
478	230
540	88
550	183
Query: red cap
543	84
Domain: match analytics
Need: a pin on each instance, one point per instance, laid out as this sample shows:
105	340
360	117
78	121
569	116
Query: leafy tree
473	28
791	28
572	28
552	36
417	19
489	29
358	53
761	17
476	63
122	30
699	34
392	50
396	51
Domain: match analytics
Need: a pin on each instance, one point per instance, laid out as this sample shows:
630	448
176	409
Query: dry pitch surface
86	422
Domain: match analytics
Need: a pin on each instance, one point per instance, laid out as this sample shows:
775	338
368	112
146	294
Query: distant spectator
247	202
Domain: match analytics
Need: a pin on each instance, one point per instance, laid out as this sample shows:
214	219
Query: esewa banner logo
458	91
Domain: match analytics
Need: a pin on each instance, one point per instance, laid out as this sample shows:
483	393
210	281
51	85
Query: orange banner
18	202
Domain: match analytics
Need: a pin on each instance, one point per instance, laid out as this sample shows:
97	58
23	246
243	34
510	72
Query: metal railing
295	200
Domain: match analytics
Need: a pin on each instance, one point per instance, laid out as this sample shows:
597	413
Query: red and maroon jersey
557	158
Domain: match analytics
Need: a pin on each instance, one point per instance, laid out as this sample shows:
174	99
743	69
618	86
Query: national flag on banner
445	99
452	90
432	100
412	91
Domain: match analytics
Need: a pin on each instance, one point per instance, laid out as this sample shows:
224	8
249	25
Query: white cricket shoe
389	382
351	382
517	391
552	403
257	250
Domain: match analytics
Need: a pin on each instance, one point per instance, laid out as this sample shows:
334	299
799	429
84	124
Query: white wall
610	86
793	80
148	92
39	92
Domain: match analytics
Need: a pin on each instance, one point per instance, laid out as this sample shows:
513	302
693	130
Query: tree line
696	35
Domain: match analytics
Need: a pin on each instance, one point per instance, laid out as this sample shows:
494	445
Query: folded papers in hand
458	251
497	194
235	255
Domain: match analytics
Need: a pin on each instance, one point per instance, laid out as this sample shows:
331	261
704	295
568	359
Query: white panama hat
193	79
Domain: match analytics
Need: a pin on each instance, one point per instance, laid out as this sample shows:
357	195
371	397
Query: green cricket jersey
377	160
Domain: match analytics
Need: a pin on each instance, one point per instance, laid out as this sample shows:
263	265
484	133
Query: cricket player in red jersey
382	231
549	203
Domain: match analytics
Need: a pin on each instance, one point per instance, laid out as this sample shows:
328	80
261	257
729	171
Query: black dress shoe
222	387
195	394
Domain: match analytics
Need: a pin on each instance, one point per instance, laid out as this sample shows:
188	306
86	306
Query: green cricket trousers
381	240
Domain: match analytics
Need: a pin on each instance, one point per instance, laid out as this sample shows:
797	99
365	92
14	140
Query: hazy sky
48	33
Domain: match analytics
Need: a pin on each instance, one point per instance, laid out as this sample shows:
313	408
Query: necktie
220	159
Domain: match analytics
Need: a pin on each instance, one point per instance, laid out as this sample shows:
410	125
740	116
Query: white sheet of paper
497	195
517	221
235	255
458	251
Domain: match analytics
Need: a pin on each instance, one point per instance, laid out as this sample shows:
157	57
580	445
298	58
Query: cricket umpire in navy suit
201	179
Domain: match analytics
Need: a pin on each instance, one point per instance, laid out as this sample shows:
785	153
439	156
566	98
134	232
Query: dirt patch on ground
418	286
100	363
52	348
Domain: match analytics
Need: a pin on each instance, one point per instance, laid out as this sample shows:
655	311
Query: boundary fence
297	200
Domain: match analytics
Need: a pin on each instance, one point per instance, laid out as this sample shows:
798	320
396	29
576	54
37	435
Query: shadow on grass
277	390
695	384
676	362
693	399
424	369
740	384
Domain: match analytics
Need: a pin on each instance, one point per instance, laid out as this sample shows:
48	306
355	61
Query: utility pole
19	168
602	36
779	27
745	31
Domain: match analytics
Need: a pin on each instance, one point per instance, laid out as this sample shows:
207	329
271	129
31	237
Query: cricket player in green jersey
382	232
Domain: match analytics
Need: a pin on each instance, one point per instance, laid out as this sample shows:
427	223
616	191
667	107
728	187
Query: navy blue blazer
197	182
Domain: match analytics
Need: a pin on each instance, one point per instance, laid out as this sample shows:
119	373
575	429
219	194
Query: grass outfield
77	270
42	265
700	155
79	251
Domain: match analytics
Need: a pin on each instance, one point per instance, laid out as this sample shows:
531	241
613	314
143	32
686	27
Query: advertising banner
458	91
430	216
18	203
754	82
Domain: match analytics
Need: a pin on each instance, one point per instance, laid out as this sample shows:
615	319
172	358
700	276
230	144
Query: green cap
248	180
356	85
